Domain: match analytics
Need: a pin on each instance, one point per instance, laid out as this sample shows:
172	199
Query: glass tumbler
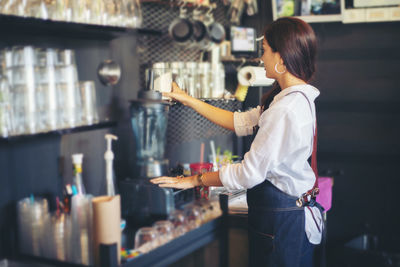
69	98
194	216
37	9
46	99
192	79
32	219
132	13
23	89
146	239
179	221
165	230
178	74
5	108
205	73
89	107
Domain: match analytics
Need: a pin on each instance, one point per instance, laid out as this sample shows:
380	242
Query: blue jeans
276	229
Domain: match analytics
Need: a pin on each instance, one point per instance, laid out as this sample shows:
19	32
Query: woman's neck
288	80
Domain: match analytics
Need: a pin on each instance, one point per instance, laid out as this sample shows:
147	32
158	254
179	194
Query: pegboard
185	124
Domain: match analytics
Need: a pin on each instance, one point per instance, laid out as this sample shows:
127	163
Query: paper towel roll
253	76
107	223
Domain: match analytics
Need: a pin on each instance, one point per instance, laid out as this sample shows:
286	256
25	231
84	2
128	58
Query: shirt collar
310	91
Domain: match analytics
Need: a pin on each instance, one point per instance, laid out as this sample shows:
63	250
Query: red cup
197	168
200	167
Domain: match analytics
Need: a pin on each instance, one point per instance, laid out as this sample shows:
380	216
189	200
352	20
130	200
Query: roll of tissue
254	76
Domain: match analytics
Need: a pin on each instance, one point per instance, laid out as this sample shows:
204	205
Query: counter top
181	246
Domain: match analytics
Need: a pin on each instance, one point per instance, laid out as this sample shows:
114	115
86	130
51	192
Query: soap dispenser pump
109	157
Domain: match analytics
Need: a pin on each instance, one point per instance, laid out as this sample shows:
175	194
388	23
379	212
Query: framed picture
308	10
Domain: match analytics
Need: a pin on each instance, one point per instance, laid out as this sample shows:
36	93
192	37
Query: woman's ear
279	58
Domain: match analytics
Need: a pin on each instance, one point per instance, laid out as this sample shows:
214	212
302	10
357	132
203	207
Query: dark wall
358	75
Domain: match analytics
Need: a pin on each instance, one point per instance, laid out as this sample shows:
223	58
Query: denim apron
276	228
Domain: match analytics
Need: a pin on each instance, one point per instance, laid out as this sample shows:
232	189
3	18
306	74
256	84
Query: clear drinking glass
96	11
165	230
89	106
5	108
78	8
46	86
132	13
32	218
14	7
178	74
146	239
110	13
65	57
161	77
57	9
37	9
23	88
57	236
194	216
192	79
68	95
218	81
179	221
204	72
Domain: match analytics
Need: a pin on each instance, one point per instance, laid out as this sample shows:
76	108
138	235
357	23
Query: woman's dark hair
295	41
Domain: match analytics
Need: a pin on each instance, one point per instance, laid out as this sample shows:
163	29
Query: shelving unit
15	25
83	128
32	162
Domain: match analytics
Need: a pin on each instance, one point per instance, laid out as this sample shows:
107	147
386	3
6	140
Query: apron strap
314	191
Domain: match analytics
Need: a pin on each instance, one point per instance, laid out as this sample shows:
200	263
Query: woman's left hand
175	182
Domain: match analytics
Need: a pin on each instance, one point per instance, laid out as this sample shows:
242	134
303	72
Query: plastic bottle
109	157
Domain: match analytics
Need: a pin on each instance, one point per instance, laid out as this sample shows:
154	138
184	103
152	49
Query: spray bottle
109	157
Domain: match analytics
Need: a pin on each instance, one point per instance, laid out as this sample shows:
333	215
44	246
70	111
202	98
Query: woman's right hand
177	94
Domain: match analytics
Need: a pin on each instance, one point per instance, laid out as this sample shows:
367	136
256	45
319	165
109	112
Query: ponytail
268	97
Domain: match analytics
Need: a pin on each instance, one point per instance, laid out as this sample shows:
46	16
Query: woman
275	170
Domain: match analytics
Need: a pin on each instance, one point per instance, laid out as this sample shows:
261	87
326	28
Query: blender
142	202
149	116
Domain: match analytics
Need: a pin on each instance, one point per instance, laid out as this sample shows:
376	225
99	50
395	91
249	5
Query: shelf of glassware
16	25
96	126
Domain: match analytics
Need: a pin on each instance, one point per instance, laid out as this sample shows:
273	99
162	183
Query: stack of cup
67	89
23	89
40	92
32	224
5	108
45	74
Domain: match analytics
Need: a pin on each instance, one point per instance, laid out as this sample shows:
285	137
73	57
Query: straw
201	153
214	159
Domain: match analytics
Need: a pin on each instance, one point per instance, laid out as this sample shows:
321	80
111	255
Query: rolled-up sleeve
245	121
275	139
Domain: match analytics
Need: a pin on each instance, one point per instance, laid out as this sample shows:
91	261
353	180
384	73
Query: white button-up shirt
280	149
